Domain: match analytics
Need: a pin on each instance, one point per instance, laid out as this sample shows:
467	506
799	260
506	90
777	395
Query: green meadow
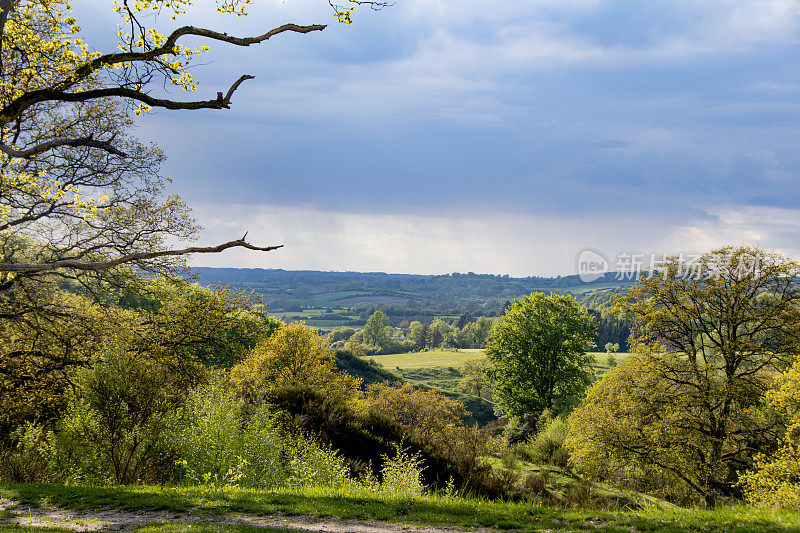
453	359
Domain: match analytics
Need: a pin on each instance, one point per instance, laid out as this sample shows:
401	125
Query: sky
439	136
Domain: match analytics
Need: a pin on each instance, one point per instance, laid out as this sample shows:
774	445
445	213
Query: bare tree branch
30	268
58	91
220	102
89	141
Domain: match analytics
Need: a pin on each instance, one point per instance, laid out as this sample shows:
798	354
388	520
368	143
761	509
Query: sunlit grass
427	359
359	503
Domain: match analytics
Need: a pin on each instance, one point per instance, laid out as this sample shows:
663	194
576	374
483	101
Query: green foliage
117	426
375	332
474	380
312	465
435	424
191	324
711	337
377	338
180	326
29	457
474	334
774	480
366	370
417	334
363	432
547	446
626	424
221	443
423	414
637	429
440	334
446	381
537	356
294	354
342	334
401	475
56	333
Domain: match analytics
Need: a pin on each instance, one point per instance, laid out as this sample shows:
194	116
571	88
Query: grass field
454	359
215	505
429	359
311	317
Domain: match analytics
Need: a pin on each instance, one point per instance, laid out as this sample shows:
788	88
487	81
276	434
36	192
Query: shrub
221	443
423	414
293	354
547	446
28	458
364	436
225	441
117	423
313	465
537	485
366	370
402	474
517	431
774	480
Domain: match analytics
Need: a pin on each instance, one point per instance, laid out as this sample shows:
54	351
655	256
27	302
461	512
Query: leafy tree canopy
293	356
537	356
711	337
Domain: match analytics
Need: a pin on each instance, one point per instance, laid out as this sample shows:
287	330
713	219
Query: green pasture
428	359
312	317
443	359
329	298
444	379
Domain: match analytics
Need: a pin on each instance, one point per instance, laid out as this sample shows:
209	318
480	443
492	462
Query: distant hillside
347	298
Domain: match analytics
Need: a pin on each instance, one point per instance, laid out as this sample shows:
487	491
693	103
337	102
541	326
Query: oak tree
83	205
710	335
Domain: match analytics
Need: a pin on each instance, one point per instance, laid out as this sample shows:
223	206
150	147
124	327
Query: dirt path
115	520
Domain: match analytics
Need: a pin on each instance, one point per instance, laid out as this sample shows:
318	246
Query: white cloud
519	245
769	227
763	20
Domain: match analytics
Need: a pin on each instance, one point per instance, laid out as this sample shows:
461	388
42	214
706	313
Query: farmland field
454	359
429	359
377	300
